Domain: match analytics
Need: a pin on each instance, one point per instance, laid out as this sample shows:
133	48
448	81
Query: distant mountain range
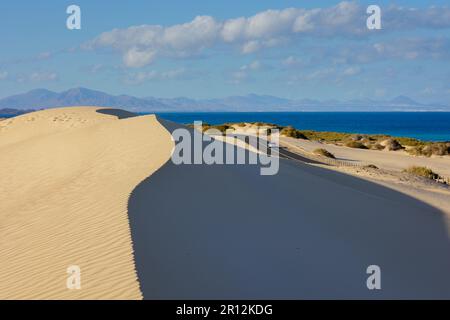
42	99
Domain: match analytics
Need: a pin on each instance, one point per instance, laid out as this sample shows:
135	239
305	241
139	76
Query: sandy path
225	232
65	178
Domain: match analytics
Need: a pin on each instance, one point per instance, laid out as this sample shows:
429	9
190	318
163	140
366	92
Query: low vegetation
377	146
263	124
429	149
409	142
380	142
356	144
292	133
325	153
325	136
391	145
221	127
422	172
359	141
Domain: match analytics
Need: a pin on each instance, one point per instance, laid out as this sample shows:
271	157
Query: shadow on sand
226	232
121	114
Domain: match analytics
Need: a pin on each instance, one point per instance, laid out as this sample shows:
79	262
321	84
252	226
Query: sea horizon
432	126
425	126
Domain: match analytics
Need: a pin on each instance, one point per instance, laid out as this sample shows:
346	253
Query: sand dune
65	178
304	233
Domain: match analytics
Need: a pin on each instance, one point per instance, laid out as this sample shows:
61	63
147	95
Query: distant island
10	112
42	98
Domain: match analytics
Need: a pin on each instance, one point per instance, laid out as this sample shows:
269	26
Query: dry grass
356	144
429	149
422	172
325	153
325	136
292	133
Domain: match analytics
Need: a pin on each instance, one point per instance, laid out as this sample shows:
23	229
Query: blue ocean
427	126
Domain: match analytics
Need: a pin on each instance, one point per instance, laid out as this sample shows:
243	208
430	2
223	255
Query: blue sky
206	49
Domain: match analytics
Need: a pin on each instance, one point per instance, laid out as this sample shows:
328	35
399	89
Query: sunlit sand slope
65	178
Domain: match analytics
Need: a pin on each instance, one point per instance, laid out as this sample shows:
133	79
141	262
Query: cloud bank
142	45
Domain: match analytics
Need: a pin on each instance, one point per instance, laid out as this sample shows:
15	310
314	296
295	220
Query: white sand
65	178
390	160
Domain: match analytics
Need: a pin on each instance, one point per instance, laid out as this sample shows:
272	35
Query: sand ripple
65	178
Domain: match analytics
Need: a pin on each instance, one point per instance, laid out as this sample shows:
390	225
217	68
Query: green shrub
222	128
325	153
410	142
325	136
263	124
292	133
355	144
422	172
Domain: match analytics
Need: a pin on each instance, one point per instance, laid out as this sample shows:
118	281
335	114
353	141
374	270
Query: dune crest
65	178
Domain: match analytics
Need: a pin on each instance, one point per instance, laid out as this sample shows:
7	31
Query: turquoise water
427	126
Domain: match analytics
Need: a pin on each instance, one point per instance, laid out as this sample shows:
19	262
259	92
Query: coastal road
226	232
261	145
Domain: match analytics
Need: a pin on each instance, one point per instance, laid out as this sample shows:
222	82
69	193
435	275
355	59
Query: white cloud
141	45
136	58
197	34
250	47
